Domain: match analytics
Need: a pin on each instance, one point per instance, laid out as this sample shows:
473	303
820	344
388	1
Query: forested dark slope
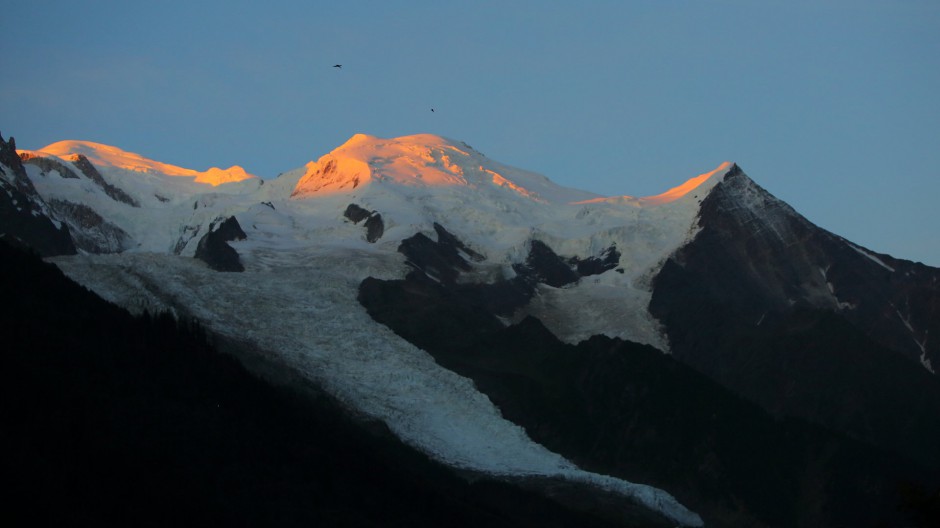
110	419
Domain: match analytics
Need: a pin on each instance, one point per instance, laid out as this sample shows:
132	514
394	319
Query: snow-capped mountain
385	270
114	159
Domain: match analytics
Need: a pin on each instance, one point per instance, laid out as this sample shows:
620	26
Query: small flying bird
432	109
338	66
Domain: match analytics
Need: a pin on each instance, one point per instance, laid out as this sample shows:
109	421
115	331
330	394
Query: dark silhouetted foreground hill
108	419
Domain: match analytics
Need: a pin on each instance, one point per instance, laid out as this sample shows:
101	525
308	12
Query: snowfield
304	262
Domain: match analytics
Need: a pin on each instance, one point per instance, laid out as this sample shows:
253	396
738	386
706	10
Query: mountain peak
107	156
423	161
700	184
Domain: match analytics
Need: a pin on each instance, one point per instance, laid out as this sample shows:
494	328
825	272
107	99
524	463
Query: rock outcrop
25	219
798	319
375	226
213	248
92	174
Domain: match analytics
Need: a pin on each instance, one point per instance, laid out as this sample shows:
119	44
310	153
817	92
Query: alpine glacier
304	260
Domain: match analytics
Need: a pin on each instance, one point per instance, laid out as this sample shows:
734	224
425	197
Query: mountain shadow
110	419
804	323
628	410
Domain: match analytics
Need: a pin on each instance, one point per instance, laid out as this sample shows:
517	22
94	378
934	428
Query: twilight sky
831	105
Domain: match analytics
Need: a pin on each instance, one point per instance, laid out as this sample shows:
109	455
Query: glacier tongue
300	307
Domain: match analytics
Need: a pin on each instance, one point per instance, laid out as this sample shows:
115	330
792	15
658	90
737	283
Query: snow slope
172	202
423	161
304	262
106	156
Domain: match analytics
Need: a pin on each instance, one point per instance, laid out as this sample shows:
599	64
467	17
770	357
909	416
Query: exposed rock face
441	259
628	408
543	265
91	232
446	239
187	234
374	225
798	320
92	174
448	257
47	165
10	159
607	261
356	213
25	219
214	250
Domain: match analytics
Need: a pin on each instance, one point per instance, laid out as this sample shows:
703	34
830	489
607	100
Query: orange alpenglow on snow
426	162
678	192
107	156
503	182
422	160
672	194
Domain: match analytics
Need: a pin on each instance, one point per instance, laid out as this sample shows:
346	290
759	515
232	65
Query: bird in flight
432	109
338	66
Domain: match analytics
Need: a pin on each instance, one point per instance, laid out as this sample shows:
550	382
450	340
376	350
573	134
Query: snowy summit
423	161
106	156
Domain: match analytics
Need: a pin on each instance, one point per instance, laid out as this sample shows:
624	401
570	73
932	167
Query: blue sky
832	105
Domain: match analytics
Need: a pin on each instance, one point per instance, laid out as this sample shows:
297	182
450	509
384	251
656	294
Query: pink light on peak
707	180
108	156
422	160
678	192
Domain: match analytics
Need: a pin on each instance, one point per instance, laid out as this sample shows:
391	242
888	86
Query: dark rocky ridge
46	165
11	159
356	213
186	234
90	232
374	225
607	261
800	321
628	410
446	239
89	170
24	216
778	258
440	259
446	258
544	265
213	248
